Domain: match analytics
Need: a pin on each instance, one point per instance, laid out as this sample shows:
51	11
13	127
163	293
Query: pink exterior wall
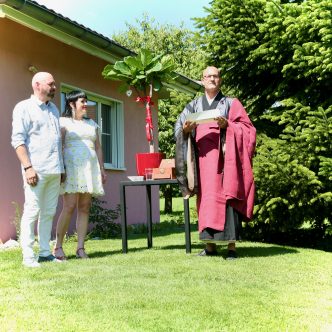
22	47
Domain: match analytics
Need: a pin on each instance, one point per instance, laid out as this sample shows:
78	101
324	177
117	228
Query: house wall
22	47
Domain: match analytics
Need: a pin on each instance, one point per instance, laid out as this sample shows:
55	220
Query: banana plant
143	73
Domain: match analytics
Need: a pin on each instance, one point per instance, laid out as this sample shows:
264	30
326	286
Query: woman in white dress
84	166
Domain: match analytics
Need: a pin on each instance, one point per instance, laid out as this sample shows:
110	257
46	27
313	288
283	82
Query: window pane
63	102
106	137
92	110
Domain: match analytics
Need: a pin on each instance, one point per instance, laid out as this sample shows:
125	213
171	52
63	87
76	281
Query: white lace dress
80	158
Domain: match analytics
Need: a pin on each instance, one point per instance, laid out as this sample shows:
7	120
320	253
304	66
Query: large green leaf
122	68
107	69
134	63
114	75
156	58
146	57
157	68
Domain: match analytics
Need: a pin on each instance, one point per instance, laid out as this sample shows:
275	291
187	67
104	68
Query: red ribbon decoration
148	119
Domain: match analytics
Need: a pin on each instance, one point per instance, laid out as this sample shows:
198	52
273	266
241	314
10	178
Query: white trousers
40	204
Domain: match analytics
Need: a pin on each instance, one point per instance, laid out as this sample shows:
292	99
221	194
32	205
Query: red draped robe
225	179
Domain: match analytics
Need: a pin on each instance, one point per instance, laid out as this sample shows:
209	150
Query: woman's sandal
59	257
80	253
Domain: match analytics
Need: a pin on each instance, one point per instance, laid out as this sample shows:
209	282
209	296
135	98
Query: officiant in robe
214	161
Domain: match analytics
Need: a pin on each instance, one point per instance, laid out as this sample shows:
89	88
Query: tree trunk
168	199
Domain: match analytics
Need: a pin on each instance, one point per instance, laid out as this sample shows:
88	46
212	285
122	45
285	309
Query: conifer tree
276	57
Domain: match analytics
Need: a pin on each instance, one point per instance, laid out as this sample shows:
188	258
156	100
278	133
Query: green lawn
270	288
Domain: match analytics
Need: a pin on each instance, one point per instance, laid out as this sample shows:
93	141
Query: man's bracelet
26	168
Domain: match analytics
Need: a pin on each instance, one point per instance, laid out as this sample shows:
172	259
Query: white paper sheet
203	117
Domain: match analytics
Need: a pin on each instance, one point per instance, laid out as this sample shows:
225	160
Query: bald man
219	168
36	139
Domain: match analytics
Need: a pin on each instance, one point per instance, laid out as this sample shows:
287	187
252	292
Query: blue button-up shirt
36	125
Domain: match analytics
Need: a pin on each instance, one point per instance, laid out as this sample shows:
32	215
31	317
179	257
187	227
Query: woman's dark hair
72	97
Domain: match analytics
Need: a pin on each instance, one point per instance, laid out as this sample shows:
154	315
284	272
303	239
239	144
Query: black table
147	184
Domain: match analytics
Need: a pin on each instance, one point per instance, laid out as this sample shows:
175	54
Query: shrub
103	220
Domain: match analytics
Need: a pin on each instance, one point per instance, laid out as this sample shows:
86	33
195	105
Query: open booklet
203	117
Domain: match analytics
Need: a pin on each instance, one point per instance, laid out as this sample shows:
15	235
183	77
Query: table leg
149	215
187	224
123	219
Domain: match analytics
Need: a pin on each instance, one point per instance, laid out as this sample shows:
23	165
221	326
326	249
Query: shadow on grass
265	251
100	254
160	229
242	251
96	254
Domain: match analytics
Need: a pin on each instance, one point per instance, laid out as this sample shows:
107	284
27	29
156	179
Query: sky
109	17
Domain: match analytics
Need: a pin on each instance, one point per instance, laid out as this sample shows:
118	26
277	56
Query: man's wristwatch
26	168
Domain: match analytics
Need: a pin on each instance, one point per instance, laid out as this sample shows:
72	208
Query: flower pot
148	160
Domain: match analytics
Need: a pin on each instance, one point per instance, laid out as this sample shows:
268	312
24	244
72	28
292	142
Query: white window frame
117	124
